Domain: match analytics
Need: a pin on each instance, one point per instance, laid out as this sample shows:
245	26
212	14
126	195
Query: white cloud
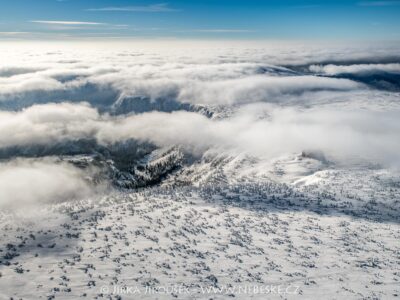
258	88
339	133
26	183
66	22
25	82
41	124
161	7
223	30
6	71
12	33
356	69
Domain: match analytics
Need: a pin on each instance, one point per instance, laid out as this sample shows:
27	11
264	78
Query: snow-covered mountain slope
171	237
296	225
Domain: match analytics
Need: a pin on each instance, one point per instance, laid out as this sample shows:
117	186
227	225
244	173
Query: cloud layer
263	102
66	22
206	77
25	183
154	8
365	69
259	129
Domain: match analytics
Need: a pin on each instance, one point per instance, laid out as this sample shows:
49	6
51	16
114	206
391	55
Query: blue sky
207	19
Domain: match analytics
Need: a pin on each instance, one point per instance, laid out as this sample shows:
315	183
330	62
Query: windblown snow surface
199	172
